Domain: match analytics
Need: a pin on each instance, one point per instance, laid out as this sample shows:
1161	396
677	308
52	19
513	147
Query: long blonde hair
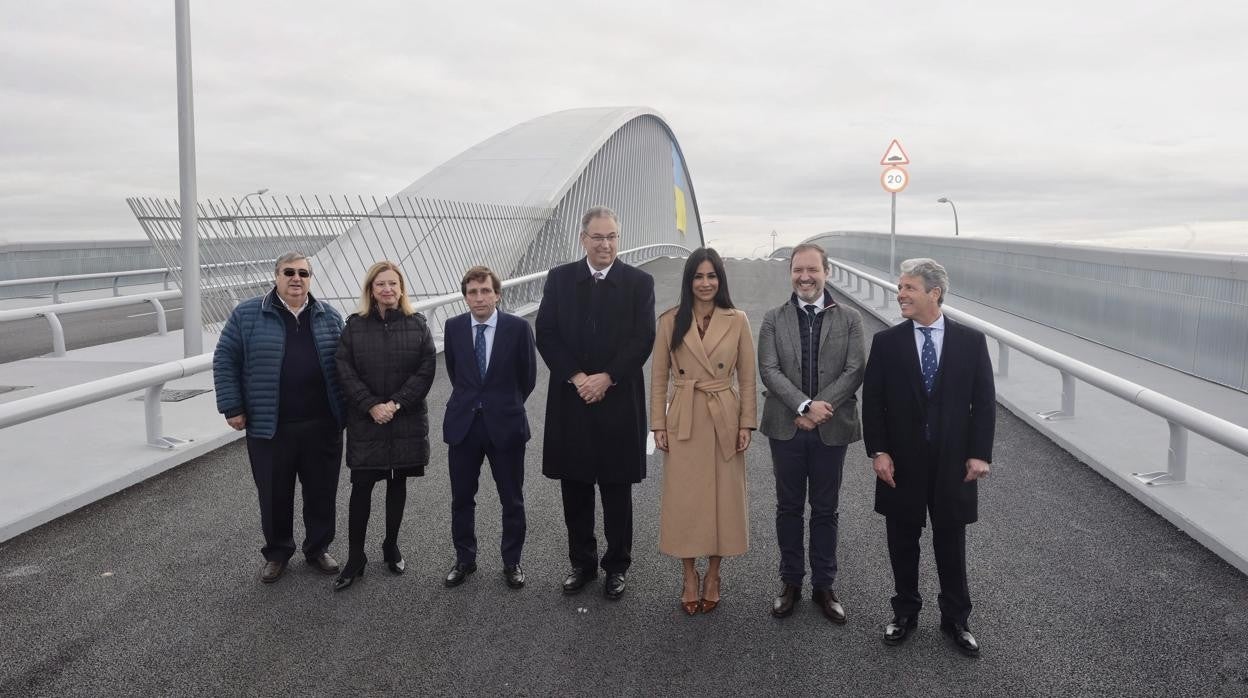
366	295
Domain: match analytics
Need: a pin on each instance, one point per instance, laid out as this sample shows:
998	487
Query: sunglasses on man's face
303	273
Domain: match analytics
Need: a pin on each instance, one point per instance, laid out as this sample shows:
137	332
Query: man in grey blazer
810	357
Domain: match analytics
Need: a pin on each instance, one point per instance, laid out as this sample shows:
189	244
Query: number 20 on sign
894	179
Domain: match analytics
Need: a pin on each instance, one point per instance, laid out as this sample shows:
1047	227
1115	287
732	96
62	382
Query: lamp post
238	207
192	308
947	200
233	219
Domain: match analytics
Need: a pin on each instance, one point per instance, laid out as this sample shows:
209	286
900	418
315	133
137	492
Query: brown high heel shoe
691	607
709	605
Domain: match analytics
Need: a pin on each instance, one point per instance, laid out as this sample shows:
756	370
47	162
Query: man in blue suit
492	362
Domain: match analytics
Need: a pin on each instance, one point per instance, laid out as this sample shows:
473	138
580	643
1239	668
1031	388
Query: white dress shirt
593	271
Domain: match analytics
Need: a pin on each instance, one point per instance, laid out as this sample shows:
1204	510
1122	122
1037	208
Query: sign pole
892	239
894	179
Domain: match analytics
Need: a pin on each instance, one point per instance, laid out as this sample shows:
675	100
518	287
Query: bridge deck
1079	589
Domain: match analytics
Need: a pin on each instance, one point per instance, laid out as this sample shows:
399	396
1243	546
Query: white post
58	334
162	325
192	313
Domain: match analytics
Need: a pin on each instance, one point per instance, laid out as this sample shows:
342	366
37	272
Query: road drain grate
178	395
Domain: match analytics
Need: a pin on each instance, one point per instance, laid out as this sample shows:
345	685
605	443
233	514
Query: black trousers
507	467
312	452
949	545
798	462
617	524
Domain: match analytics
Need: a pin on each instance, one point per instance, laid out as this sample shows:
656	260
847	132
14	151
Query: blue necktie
927	360
479	347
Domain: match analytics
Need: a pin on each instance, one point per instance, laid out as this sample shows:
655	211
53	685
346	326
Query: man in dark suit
929	411
810	357
491	360
595	330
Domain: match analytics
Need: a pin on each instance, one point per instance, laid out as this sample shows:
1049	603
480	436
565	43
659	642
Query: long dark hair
684	313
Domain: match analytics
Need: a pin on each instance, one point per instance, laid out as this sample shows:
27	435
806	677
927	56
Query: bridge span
1079	589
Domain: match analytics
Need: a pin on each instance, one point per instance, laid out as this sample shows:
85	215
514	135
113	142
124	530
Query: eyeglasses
303	273
599	239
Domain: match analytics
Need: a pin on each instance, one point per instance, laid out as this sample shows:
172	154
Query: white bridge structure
512	202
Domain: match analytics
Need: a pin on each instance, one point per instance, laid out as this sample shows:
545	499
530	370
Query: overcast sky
1110	121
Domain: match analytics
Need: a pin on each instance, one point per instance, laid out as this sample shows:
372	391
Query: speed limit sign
894	179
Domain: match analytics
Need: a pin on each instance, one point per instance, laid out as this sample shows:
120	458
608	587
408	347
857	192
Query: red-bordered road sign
894	179
895	155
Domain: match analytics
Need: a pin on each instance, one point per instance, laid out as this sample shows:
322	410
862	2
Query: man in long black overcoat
595	330
928	417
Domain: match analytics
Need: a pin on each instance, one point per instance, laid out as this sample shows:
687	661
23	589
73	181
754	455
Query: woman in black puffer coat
386	362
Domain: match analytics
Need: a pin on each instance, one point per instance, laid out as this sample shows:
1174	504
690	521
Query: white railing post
1068	394
1068	400
58	334
56	292
1176	460
116	284
1003	359
1177	456
152	417
162	325
165	280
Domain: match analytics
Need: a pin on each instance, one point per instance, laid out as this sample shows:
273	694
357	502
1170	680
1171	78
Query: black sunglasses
303	273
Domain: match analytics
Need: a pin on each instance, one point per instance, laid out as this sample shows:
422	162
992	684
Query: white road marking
167	311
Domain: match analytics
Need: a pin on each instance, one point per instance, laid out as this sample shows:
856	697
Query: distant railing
52	312
116	276
153	378
1180	416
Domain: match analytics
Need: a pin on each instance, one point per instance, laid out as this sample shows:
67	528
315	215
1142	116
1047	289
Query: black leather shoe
514	575
394	559
830	605
350	573
325	563
961	637
577	579
783	605
272	571
459	573
899	629
614	588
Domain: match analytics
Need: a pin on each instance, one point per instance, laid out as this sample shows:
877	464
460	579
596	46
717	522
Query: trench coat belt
682	411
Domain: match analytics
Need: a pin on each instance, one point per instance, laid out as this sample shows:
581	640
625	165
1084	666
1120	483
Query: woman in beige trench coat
699	347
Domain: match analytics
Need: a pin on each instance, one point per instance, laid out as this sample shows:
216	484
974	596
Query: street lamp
233	219
947	200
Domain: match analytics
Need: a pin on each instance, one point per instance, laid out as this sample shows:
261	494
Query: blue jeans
798	462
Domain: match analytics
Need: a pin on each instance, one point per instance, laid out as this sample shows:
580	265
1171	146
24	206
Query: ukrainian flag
678	177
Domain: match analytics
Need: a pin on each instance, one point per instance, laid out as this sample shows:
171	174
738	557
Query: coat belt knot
681	411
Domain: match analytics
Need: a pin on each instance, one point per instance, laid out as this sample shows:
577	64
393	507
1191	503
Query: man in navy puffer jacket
275	377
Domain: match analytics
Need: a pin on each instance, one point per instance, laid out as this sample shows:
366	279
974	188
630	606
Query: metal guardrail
153	378
116	276
51	312
1180	416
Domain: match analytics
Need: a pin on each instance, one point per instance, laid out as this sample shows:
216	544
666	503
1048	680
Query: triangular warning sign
895	155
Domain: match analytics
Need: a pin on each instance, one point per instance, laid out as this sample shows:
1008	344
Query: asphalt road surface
22	339
1078	590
